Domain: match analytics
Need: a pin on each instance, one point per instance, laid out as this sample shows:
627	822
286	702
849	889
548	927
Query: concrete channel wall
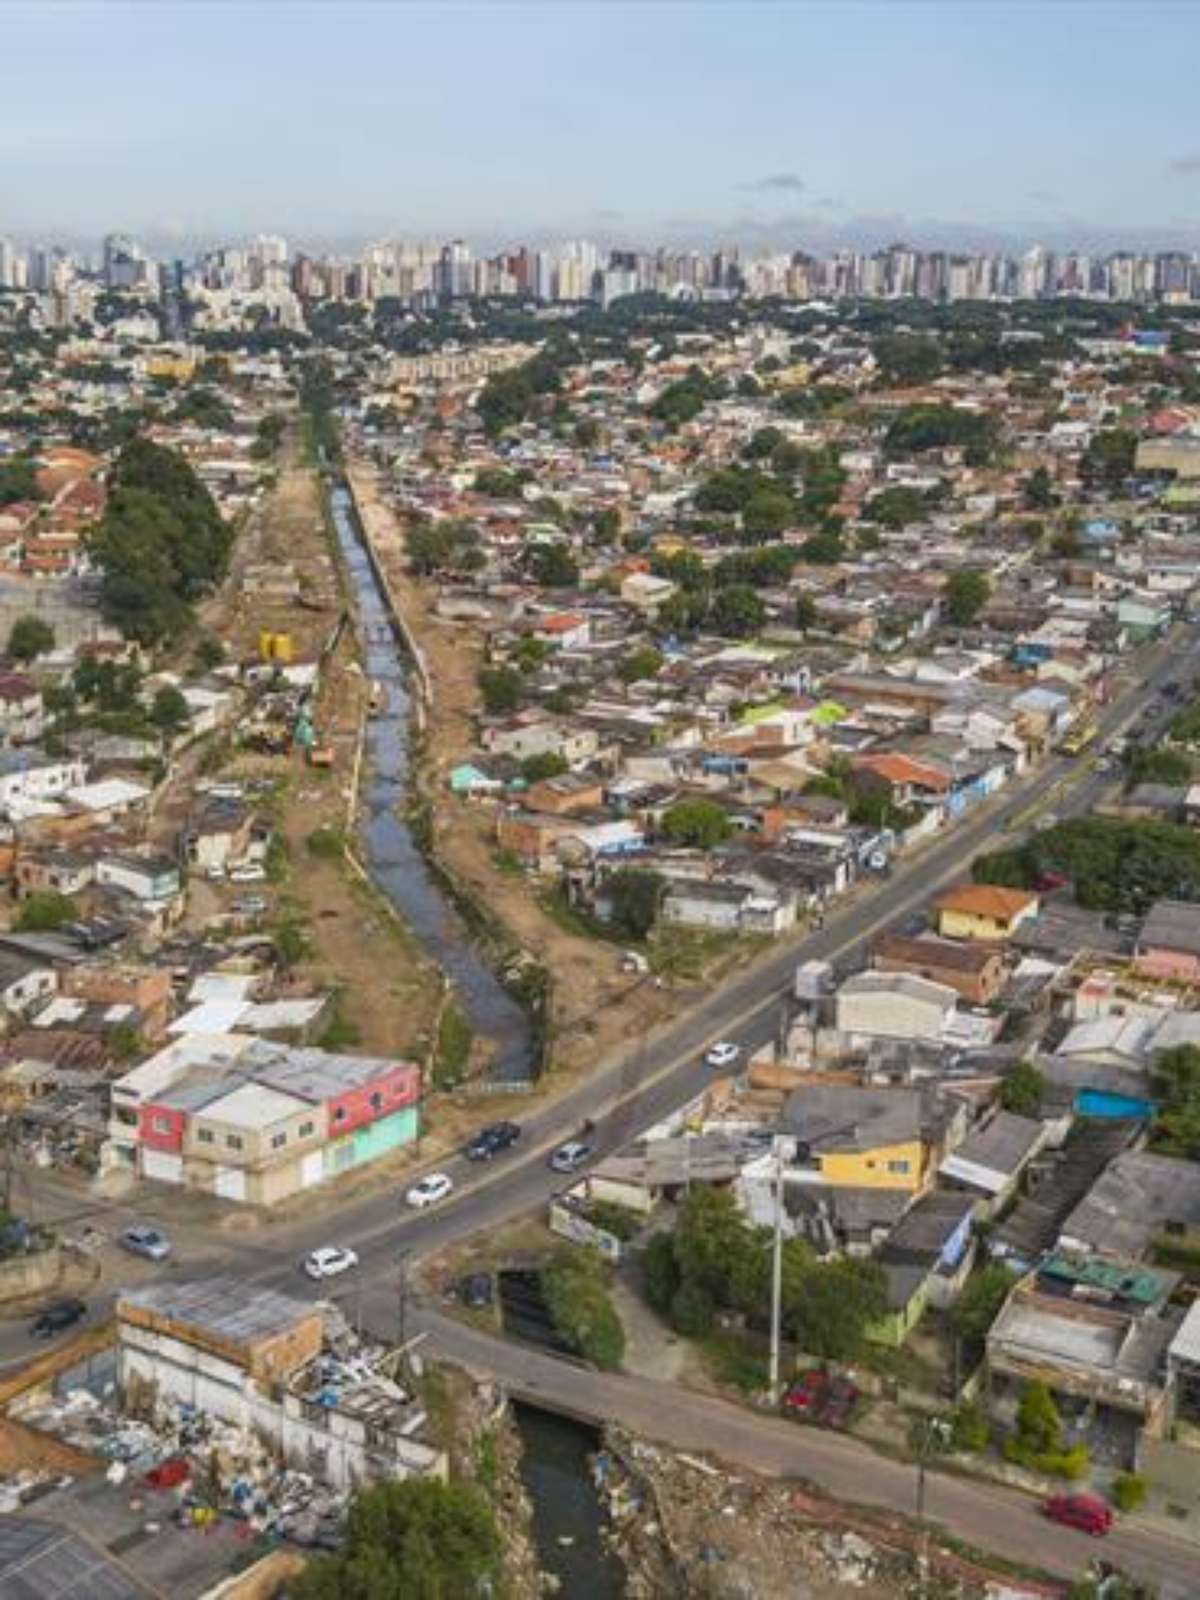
370	538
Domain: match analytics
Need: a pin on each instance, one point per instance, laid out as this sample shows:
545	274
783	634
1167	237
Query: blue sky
661	118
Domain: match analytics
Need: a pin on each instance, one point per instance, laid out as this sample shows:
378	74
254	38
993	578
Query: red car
819	1398
169	1474
1082	1511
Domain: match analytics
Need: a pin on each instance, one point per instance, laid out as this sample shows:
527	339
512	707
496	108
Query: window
161	1124
204	1136
376	1101
278	1140
898	1166
234	1141
340	1114
306	1129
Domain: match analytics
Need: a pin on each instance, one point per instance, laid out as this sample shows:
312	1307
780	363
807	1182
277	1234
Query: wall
397	1088
29	1275
869	1169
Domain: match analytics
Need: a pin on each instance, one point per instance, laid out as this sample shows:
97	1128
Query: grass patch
453	1046
486	1462
326	844
734	1363
571	919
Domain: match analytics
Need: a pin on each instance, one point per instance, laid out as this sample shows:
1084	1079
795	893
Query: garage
164	1165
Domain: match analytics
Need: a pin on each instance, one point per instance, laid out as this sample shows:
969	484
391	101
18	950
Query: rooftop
986	900
219	1307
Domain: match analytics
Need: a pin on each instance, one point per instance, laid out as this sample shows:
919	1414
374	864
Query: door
163	1165
231	1183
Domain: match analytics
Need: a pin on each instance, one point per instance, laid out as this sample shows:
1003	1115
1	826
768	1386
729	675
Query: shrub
1129	1491
969	1428
327	844
576	1289
692	1311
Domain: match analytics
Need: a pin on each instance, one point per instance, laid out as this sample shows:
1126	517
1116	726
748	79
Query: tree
576	1289
1039	490
502	689
635	897
1039	1424
547	764
606	526
838	1302
415	1537
979	1305
1109	458
737	612
553	566
169	711
1023	1090
1177	1085
966	594
290	944
805	615
30	637
906	359
696	824
44	911
638	665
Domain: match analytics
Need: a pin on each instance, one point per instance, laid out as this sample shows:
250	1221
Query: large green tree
417	1539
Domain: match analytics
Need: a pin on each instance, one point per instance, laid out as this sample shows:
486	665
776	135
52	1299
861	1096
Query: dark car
58	1318
474	1289
490	1141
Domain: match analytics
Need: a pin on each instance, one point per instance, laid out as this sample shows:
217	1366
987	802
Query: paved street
629	1093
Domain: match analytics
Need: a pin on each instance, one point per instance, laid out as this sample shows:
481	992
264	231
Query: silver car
142	1240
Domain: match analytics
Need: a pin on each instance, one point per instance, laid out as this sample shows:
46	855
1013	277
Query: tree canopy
417	1538
1114	864
30	637
160	543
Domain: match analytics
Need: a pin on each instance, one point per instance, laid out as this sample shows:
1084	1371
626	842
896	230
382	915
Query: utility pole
776	1273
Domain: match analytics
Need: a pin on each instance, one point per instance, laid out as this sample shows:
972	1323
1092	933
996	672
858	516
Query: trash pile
210	1467
682	1525
27	1486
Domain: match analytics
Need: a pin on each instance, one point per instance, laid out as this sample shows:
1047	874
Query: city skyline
972	127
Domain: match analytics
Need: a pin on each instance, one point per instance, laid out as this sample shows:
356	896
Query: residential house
983	911
30	775
147	877
22	713
53	871
1138	1200
989	1162
1168	944
848	1135
893	1005
24	980
974	970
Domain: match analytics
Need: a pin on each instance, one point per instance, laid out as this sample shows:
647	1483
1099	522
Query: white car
723	1054
436	1186
251	873
329	1261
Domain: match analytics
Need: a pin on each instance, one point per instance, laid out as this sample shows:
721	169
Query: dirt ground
392	1006
595	1007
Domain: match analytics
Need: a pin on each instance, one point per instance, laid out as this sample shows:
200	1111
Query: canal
568	1524
393	858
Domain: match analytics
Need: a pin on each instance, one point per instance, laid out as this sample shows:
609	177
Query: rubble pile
211	1467
682	1525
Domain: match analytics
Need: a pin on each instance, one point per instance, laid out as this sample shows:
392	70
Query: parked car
141	1240
250	905
817	1397
475	1290
1082	1511
429	1190
570	1157
723	1054
490	1141
57	1318
329	1261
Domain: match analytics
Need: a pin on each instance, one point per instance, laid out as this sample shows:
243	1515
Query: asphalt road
646	1082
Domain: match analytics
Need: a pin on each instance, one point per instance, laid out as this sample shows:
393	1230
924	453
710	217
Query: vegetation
635	897
169	711
502	689
1129	1491
717	1261
919	428
978	1306
448	546
417	1538
966	594
640	665
970	1429
1177	1087
44	911
682	401
1038	1439
30	637
160	544
1109	458
1023	1090
507	398
1146	765
18	480
1114	865
698	824
576	1288
549	764
454	1040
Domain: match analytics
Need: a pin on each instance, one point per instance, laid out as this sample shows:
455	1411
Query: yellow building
853	1136
984	911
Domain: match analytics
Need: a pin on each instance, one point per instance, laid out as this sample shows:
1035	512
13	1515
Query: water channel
396	864
556	1451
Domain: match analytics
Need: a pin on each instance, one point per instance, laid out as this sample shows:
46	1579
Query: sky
798	122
